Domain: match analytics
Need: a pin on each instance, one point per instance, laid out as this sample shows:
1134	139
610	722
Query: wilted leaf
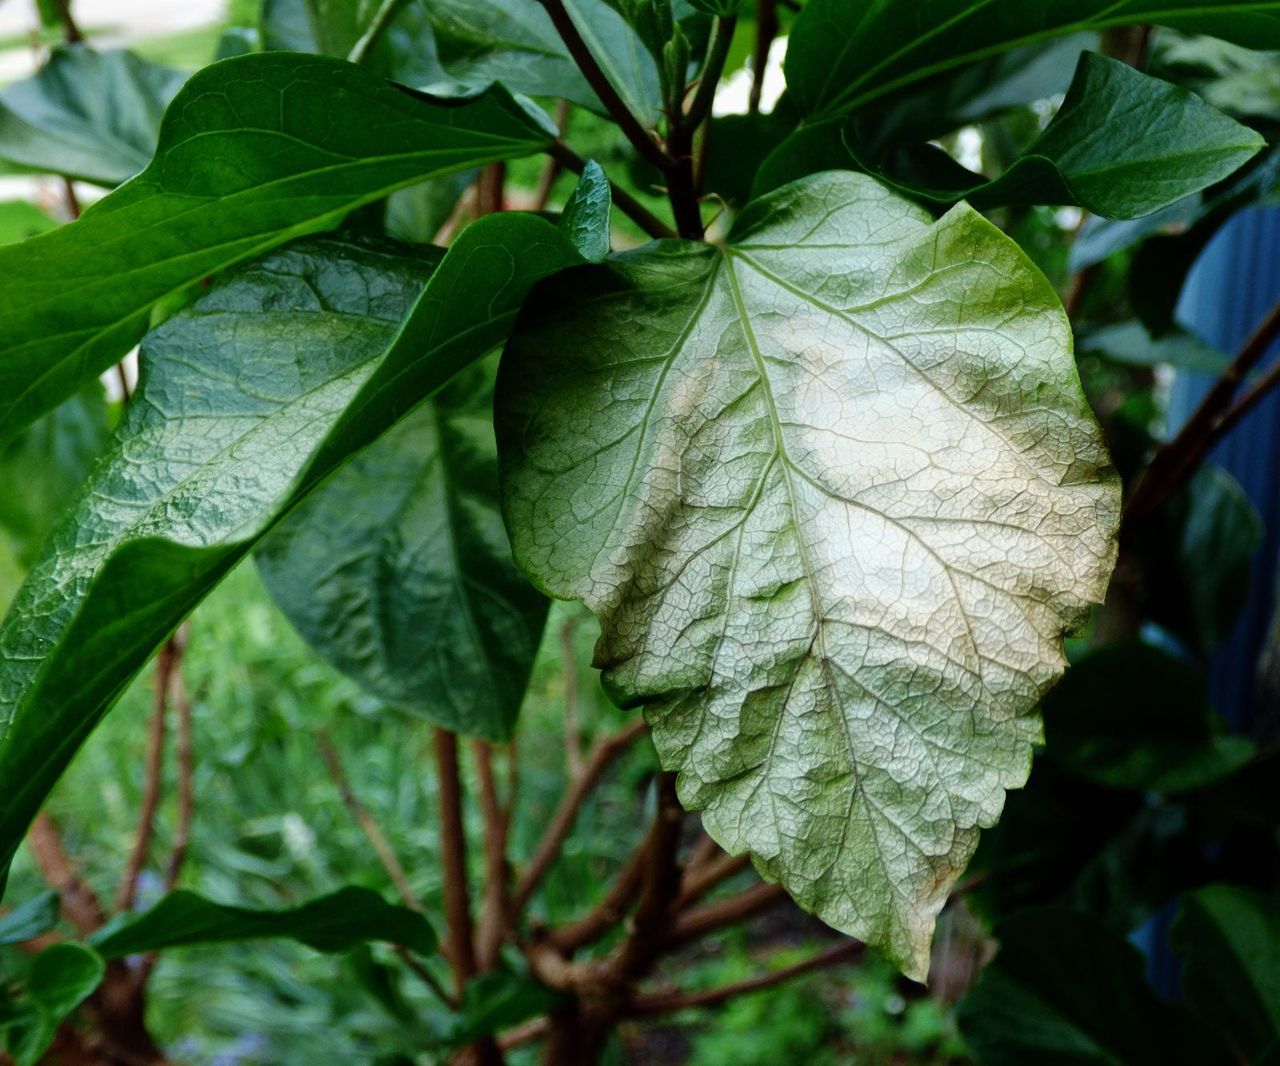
834	493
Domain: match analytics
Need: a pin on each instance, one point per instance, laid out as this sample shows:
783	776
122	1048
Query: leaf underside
834	493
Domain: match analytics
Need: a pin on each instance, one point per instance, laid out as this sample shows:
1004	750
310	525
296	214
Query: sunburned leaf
834	493
253	152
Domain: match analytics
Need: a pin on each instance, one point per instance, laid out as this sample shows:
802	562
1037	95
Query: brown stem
572	732
701	921
491	190
1174	463
167	662
457	904
609	911
641	138
493	918
667	1003
80	905
553	167
70	30
623	200
766	31
602	755
186	773
523	1034
368	824
699	880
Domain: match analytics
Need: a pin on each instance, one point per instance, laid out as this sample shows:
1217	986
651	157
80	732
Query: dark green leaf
757	462
1130	343
87	115
333	923
49	461
247	401
398	571
254	151
1230	940
1199	554
844	54
1066	991
28	921
1133	716
1082	158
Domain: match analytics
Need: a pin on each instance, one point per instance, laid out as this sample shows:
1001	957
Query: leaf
1082	158
36	916
834	493
845	54
20	219
1130	344
398	571
92	116
248	400
1230	939
50	461
1066	991
332	923
1132	716
255	151
60	979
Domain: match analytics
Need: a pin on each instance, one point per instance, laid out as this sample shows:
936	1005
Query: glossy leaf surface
834	493
253	152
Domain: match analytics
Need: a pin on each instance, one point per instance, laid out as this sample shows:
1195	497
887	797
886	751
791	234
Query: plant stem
661	886
666	1004
457	905
490	189
698	881
553	166
70	30
766	31
381	21
641	139
368	824
700	921
168	661
493	918
1174	463
602	754
623	200
80	904
186	772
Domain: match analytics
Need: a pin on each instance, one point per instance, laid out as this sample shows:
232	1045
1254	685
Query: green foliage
58	980
333	923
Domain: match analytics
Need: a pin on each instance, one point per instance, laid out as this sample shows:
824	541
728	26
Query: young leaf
834	493
248	400
1184	147
1230	938
333	923
88	115
398	571
253	152
1066	991
844	54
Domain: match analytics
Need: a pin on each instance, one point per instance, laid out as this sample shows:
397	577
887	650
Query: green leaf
20	219
834	493
1133	716
845	54
1130	344
50	461
1230	940
248	400
93	116
1082	158
398	571
1066	991
60	979
254	151
27	922
333	923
